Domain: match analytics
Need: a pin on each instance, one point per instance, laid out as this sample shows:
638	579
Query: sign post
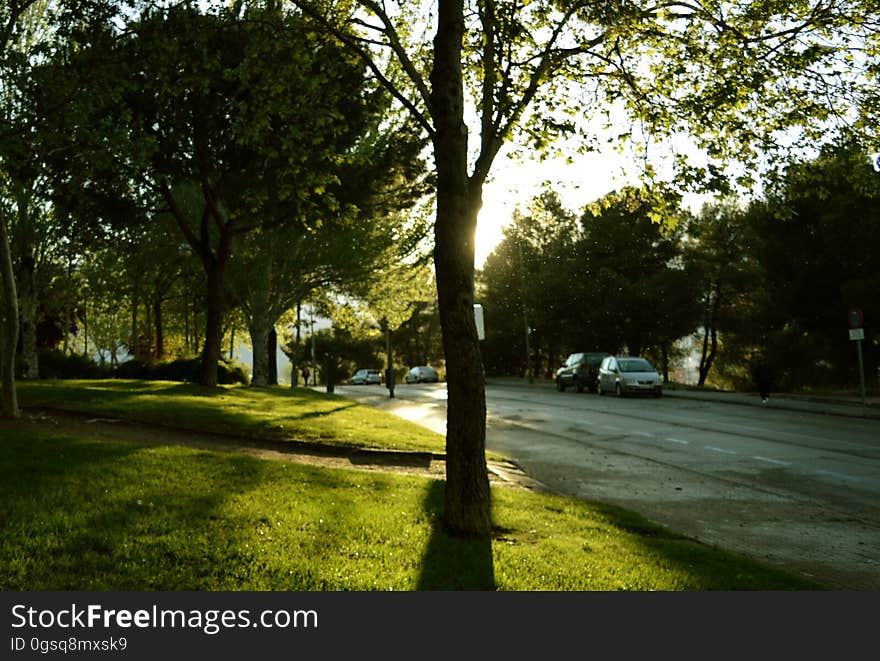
857	334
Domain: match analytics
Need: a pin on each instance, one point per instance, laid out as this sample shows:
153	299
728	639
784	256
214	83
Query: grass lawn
102	515
278	413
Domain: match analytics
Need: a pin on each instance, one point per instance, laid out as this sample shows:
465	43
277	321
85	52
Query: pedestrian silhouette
763	378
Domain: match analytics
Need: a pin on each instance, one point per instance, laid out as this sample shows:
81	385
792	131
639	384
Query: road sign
478	320
856	318
857	333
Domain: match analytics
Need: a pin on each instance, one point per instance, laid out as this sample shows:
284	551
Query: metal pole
861	374
314	363
389	372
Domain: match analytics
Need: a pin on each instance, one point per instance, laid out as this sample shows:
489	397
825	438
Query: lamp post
389	362
314	364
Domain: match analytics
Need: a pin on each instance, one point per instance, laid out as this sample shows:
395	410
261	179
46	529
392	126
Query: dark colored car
580	370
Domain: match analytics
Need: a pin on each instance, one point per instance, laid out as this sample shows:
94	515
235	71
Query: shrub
55	364
181	369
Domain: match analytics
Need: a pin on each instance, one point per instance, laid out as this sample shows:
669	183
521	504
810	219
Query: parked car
422	374
580	370
365	377
624	375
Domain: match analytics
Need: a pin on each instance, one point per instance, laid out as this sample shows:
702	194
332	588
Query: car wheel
618	390
579	385
659	393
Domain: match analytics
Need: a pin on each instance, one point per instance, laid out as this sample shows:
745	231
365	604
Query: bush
55	364
232	372
181	369
132	369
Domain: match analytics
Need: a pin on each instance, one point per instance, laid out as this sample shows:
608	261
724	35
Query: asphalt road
797	485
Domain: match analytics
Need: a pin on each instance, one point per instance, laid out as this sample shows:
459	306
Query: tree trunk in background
160	330
272	357
85	327
133	341
27	298
467	496
8	327
710	332
294	366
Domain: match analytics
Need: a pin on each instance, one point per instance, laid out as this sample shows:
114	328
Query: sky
513	185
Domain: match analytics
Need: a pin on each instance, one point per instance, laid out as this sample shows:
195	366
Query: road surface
798	489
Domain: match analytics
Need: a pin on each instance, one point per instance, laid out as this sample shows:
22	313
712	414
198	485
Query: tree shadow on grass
83	515
451	562
322	414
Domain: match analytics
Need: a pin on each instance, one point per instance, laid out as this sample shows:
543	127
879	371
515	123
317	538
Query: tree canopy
181	114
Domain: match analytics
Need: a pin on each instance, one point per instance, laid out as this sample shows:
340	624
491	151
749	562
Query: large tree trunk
261	319
213	323
8	327
467	498
259	326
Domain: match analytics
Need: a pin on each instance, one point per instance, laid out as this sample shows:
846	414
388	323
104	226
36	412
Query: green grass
84	515
105	515
278	413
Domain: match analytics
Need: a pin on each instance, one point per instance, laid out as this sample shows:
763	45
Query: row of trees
771	280
735	75
165	184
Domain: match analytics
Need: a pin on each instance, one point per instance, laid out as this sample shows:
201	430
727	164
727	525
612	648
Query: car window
635	365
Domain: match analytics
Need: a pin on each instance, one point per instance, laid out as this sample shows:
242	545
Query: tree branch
355	44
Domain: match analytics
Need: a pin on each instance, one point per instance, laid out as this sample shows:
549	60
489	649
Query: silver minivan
625	375
365	377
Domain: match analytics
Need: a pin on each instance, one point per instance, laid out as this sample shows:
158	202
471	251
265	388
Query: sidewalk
843	404
849	406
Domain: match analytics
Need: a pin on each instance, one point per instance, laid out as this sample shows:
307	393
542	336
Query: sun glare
516	184
494	216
